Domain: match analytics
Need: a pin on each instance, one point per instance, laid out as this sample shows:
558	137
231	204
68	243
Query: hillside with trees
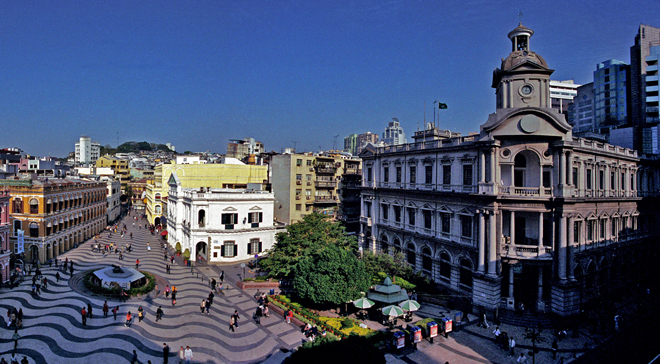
134	147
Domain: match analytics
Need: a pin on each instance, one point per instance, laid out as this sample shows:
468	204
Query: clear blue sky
197	73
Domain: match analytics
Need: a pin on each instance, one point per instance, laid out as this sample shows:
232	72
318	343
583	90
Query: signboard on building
20	241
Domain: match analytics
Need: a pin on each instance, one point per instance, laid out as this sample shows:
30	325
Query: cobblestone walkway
53	331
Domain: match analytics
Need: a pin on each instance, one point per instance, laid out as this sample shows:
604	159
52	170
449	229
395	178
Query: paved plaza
53	332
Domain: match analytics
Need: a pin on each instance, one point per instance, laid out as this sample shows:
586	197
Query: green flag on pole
442	106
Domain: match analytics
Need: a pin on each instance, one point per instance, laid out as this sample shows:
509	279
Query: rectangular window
385	211
298	177
398	174
367	209
589	183
446	222
446	175
298	207
601	180
229	249
411	216
576	180
254	218
623	181
309	162
428	170
467	174
369	174
546	178
602	230
413	174
397	213
576	232
298	162
615	224
612	181
254	246
591	230
386	174
428	219
466	226
228	220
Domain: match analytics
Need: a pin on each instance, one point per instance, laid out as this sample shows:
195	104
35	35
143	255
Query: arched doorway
34	253
157	221
49	253
200	252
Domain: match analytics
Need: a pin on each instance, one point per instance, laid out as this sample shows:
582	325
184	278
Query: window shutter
250	218
222	250
261	217
235	249
259	247
249	248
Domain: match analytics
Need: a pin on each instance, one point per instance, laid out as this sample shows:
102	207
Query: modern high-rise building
581	116
351	144
611	95
364	139
394	134
646	37
652	95
562	94
87	151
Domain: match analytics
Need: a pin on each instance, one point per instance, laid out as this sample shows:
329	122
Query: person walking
166	353
522	359
213	284
129	318
105	309
114	312
140	314
167	268
15	337
222	276
89	310
57	276
236	317
182	355
512	345
137	263
188	354
202	306
232	323
167	291
134	359
159	313
555	347
208	306
84	316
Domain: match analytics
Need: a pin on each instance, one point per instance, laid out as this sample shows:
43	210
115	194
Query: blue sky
197	73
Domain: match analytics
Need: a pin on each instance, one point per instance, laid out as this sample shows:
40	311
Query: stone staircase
526	319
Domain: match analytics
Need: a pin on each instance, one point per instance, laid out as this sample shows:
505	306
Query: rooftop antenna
295	144
334	142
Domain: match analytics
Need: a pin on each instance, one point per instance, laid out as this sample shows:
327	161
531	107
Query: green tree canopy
332	275
301	239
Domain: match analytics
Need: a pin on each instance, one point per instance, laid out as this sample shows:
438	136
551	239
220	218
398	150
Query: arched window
17	226
410	254
466	273
157	196
519	164
427	261
34	230
49	205
157	209
384	248
201	215
34	206
18	206
397	245
445	266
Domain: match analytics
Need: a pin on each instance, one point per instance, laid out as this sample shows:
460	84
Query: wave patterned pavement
52	325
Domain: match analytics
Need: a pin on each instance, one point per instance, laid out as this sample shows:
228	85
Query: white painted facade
219	224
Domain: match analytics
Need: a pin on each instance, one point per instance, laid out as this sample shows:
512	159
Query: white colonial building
521	212
219	224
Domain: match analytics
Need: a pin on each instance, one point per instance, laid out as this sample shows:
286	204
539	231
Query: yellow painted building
196	176
55	214
119	166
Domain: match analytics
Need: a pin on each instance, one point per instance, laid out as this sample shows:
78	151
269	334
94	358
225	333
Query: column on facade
492	166
492	244
482	166
571	246
562	167
482	242
540	242
511	281
513	171
569	168
512	227
561	254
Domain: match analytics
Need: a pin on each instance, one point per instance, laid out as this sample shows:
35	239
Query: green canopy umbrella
392	311
363	303
410	305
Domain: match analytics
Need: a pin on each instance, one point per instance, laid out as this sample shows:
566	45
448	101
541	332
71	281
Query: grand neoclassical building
521	212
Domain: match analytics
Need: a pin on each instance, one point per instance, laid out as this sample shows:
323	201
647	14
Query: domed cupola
523	78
